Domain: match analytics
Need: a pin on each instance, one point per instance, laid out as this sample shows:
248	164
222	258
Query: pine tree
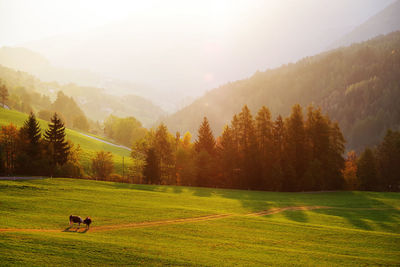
227	158
317	133
264	142
205	140
278	156
366	170
248	150
296	150
58	147
30	133
205	155
164	151
388	157
336	162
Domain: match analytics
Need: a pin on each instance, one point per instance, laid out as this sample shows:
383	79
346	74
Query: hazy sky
181	48
26	20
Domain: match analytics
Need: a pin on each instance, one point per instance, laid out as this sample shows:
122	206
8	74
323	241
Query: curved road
108	143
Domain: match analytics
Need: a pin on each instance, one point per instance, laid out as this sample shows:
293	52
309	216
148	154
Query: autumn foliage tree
102	165
3	93
350	172
9	149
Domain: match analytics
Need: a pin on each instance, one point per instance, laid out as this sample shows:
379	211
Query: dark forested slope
359	86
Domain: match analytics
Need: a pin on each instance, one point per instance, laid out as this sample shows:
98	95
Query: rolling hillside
96	95
358	86
187	226
89	145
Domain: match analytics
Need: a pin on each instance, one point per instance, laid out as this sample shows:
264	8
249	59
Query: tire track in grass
177	221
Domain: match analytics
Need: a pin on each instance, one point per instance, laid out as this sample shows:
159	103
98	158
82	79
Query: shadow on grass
71	229
362	210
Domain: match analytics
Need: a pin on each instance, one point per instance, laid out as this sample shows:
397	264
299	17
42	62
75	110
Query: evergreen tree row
291	154
25	152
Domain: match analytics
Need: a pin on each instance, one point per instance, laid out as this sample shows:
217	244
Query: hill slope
354	228
89	145
386	21
97	96
358	86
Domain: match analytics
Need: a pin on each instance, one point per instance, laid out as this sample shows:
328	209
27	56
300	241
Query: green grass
88	145
359	228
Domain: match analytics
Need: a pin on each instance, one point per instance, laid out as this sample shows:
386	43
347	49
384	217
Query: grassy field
88	145
340	228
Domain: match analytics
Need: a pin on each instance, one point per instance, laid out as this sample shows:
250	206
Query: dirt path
165	222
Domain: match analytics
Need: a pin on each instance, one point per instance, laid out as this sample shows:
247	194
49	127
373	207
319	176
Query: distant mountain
182	52
384	22
23	59
358	86
96	101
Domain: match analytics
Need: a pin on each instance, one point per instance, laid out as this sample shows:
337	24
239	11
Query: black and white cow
75	219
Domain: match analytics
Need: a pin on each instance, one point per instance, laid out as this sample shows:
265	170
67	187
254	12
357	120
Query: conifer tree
164	151
205	140
205	155
235	129
30	133
248	150
278	146
58	147
366	170
388	157
296	150
264	143
317	133
227	158
336	161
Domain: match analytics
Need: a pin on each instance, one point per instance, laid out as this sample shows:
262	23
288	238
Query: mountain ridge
355	85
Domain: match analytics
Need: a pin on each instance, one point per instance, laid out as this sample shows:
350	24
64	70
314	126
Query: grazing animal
87	221
75	219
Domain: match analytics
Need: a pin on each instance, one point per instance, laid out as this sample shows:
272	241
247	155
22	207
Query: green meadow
343	229
89	145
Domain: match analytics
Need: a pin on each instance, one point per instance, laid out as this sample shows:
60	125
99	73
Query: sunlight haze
179	47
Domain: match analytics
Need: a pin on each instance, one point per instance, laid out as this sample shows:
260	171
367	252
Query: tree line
26	151
285	154
302	152
358	86
375	169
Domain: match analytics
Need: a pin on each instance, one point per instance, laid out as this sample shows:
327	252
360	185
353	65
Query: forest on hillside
358	86
28	93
